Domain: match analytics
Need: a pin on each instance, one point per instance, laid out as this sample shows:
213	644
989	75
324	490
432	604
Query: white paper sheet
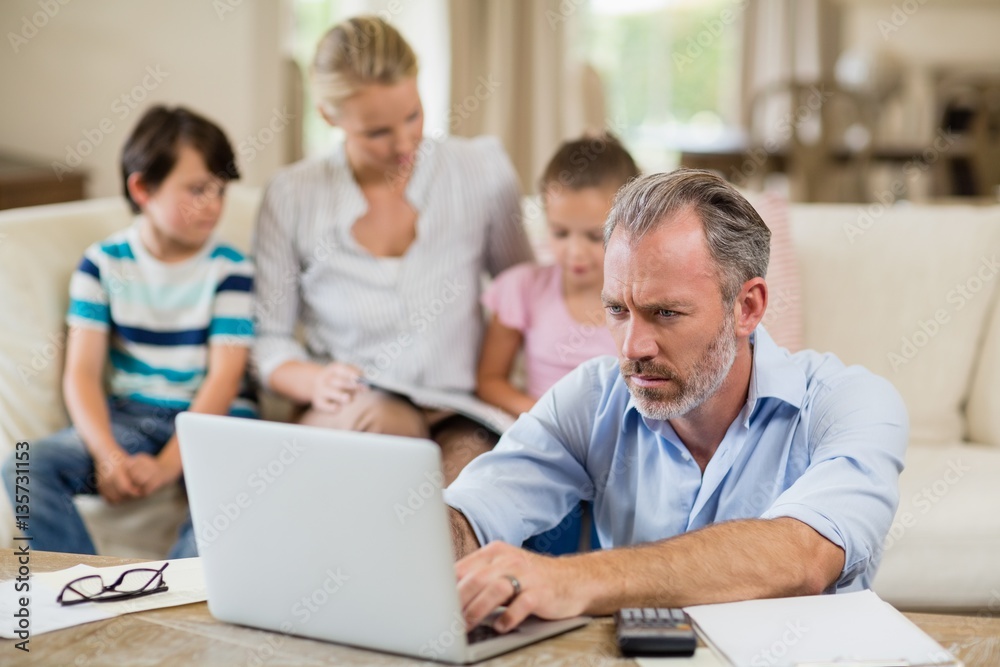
185	581
819	629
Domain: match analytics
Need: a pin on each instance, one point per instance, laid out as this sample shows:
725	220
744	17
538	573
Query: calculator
659	632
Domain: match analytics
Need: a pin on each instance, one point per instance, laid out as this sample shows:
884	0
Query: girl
554	312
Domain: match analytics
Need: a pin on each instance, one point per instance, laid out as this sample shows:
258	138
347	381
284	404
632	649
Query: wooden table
188	635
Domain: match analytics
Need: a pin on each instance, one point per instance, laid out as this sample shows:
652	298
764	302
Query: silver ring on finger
515	584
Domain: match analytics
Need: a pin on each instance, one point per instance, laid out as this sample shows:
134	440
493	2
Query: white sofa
879	287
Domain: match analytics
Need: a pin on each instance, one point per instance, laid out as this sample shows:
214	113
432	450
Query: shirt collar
772	375
419	186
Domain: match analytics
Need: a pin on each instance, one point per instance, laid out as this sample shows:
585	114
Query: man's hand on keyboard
546	586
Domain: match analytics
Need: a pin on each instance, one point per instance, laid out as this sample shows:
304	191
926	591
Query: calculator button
678	615
649	614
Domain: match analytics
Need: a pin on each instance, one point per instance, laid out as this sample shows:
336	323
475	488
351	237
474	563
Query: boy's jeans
61	467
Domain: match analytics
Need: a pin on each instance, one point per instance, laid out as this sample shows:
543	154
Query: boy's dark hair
589	162
151	148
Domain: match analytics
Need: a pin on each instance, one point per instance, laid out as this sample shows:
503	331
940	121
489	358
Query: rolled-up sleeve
850	491
536	473
277	283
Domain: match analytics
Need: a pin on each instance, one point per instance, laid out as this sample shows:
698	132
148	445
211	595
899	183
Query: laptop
332	535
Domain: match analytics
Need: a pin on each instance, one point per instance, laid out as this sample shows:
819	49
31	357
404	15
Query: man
720	466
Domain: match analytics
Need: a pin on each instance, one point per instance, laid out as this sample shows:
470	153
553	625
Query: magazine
465	404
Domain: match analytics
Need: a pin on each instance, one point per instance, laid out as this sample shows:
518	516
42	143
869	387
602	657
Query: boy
170	306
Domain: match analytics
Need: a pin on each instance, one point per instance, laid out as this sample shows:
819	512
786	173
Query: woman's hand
335	386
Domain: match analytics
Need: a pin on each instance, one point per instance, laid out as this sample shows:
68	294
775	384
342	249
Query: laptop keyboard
481	633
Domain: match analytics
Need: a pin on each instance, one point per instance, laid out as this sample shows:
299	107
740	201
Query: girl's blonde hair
360	51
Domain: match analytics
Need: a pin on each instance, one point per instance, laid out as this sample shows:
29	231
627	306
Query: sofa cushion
904	291
941	551
143	528
983	410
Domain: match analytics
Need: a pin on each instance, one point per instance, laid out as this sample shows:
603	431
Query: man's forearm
463	538
736	560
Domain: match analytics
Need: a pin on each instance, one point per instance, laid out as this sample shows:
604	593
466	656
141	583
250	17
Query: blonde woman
377	251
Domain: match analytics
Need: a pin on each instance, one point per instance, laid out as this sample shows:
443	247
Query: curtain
512	77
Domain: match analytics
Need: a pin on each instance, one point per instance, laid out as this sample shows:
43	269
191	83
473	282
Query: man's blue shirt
816	441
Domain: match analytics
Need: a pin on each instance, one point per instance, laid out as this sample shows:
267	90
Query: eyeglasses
133	583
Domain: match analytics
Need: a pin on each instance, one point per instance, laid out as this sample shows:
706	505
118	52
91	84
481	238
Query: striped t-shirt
162	316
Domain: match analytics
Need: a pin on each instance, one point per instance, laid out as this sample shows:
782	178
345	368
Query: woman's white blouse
416	320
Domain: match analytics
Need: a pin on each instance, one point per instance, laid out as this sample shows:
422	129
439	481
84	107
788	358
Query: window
312	19
670	72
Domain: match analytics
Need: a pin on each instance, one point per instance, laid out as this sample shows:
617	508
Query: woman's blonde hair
357	52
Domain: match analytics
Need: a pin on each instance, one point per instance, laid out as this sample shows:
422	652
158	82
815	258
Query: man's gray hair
738	240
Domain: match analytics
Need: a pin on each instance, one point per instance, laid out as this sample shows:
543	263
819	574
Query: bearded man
720	466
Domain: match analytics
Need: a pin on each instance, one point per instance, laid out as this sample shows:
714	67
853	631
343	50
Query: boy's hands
335	386
114	481
150	474
121	476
